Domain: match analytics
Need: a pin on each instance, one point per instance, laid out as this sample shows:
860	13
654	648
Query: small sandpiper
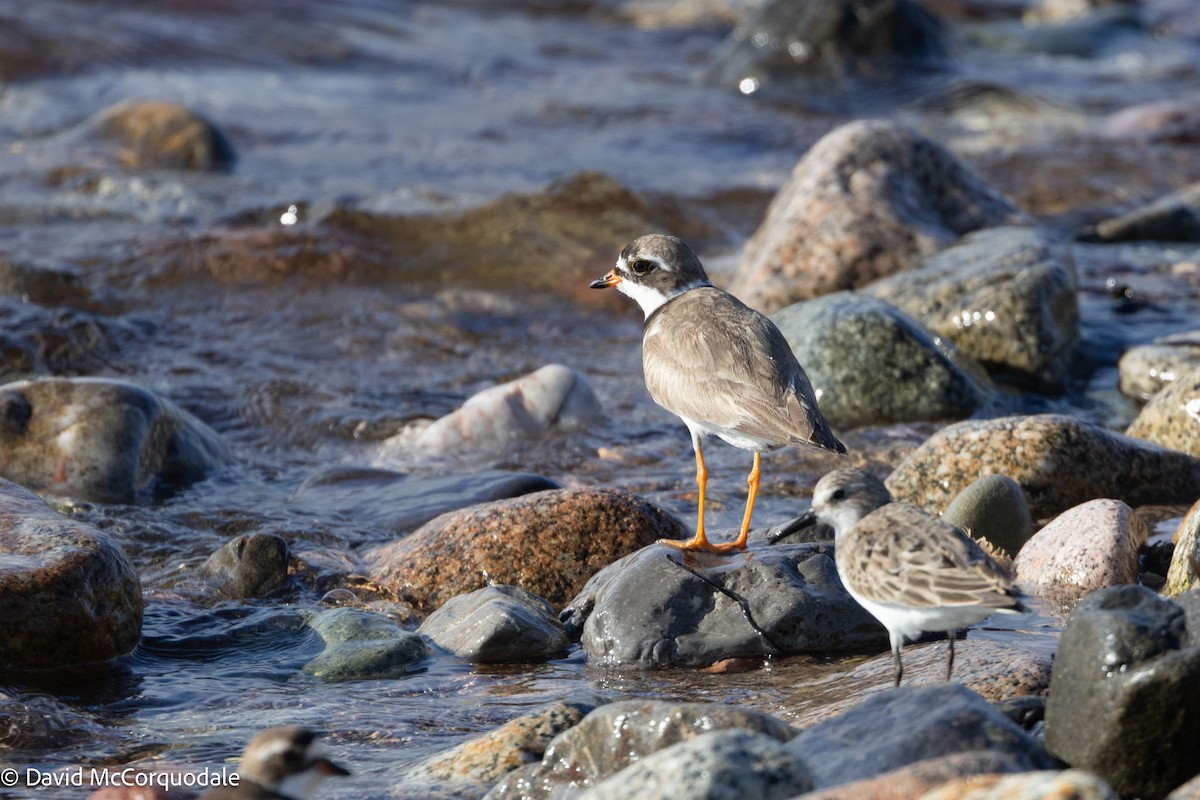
912	571
718	365
287	763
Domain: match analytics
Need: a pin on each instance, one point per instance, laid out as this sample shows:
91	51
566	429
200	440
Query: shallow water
404	108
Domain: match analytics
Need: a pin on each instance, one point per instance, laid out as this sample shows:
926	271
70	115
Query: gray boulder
101	440
873	364
497	623
1172	417
647	611
1004	296
360	645
250	565
902	726
1122	697
1148	368
68	594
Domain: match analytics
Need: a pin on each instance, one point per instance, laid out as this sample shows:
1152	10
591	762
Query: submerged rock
250	565
68	594
1173	218
729	763
872	364
646	611
553	398
902	726
616	735
869	199
1172	417
1086	548
993	507
1147	369
360	645
101	440
548	543
1058	461
159	134
1121	701
1005	297
37	340
1184	572
497	623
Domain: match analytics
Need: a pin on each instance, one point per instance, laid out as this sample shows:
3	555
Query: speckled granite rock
1003	296
1075	784
868	200
913	780
1089	547
158	134
68	594
872	364
1147	368
1184	573
553	398
548	543
1059	462
360	645
250	565
486	759
619	734
1172	417
645	611
901	726
497	623
101	440
993	507
1122	702
730	763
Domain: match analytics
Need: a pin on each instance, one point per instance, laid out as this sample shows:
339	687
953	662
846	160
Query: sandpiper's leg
700	540
950	655
752	482
897	643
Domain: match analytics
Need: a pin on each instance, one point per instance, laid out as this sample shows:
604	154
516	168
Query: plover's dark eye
642	267
838	494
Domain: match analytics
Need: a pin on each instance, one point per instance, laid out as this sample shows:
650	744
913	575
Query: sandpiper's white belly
912	622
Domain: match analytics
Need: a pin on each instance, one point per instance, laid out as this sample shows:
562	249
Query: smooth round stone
1184	573
1172	417
553	398
1086	548
102	440
1146	369
1122	700
1005	296
1175	217
250	565
157	134
730	763
870	199
871	363
994	508
360	645
1059	462
495	624
68	594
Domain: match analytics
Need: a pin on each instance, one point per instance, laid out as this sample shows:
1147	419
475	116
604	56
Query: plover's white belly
730	435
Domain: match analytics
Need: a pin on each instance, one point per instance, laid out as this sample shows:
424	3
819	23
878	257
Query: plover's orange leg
752	482
700	540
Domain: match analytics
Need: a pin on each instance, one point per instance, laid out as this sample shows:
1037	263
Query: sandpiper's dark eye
642	267
838	494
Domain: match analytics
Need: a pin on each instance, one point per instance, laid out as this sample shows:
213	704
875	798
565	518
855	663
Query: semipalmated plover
912	571
288	762
720	366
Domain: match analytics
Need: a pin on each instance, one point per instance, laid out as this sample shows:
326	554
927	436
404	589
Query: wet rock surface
360	645
1146	369
59	341
159	134
1173	218
68	594
648	611
1172	417
250	565
868	200
1183	575
872	363
994	508
1059	462
1119	700
548	543
102	440
497	623
906	725
1086	548
1003	296
616	735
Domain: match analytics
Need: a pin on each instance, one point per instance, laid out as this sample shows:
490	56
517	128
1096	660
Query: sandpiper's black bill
801	523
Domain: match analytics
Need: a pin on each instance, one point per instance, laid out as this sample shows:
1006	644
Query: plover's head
653	269
290	761
844	496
